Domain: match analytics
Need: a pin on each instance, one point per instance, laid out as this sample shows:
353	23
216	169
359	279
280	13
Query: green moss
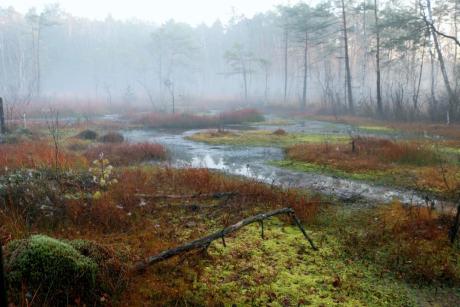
53	268
264	138
376	128
375	176
276	122
283	269
402	177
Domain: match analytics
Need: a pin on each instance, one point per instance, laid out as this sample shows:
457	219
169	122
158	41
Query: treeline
393	59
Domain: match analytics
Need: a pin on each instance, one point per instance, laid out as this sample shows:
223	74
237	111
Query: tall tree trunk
347	61
453	101
37	59
245	84
433	80
286	41
454	69
2	117
419	81
305	67
377	61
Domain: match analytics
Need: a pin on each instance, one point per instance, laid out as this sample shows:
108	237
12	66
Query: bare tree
377	60
241	62
428	18
347	60
48	18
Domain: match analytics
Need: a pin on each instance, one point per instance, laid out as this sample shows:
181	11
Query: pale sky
190	11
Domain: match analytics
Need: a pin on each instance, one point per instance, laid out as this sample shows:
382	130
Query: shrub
112	137
54	270
280	132
39	195
127	154
87	135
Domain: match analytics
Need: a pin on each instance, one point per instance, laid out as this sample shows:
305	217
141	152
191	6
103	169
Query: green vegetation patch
376	128
372	175
276	122
282	270
264	138
52	268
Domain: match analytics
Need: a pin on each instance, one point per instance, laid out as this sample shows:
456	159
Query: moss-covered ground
263	138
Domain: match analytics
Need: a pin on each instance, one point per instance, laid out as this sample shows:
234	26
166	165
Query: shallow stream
253	162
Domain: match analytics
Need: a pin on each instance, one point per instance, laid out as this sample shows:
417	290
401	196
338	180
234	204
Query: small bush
87	135
53	270
280	132
127	154
112	137
39	196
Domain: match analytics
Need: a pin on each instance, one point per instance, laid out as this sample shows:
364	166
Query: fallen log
204	242
191	196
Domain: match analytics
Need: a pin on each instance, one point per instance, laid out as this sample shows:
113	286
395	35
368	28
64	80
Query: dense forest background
393	59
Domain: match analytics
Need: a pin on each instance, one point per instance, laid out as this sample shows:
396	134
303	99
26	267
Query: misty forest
308	154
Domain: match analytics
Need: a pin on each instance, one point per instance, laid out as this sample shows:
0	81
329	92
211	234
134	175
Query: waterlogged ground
259	162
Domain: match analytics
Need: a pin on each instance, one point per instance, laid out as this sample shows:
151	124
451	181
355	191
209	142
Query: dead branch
204	242
219	195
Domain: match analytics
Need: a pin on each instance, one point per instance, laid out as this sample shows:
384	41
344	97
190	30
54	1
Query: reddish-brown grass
409	241
35	155
127	154
191	121
369	154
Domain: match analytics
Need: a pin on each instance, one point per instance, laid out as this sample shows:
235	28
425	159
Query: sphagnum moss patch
264	138
48	265
283	270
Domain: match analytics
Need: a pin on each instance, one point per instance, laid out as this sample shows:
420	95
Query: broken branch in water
204	242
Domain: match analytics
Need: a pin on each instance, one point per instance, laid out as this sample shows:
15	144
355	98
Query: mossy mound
87	135
59	272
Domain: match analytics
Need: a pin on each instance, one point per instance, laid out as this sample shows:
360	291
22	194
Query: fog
322	54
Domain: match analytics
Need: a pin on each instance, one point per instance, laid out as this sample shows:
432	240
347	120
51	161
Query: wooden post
2	118
3	298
